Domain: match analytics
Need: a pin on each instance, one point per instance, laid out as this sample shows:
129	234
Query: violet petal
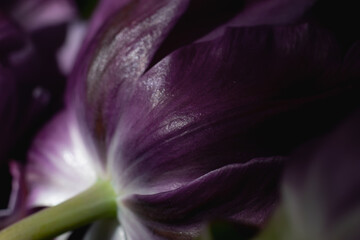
224	193
30	78
165	128
17	203
36	14
220	102
59	158
128	46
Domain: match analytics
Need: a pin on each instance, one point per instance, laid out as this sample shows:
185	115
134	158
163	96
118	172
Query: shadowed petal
31	84
103	12
201	23
37	14
321	188
17	203
240	192
128	46
220	102
198	20
11	37
345	28
135	35
7	111
168	126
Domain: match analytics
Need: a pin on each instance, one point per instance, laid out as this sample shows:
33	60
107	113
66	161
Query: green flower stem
99	201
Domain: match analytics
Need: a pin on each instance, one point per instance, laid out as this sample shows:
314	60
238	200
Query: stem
99	201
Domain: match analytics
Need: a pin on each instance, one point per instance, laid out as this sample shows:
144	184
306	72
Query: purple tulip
31	84
31	34
190	112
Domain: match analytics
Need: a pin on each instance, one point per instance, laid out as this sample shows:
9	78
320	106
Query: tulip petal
37	14
244	193
220	102
135	35
17	202
26	100
105	10
211	22
166	124
60	156
30	83
127	46
133	226
67	53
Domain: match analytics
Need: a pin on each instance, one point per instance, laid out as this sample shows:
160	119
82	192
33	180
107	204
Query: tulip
31	35
31	83
173	120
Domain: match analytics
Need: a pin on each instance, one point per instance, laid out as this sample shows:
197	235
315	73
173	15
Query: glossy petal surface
166	118
220	102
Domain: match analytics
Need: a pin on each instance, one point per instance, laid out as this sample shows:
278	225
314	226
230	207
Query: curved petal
31	84
23	107
207	22
37	14
132	36
125	46
30	88
17	202
220	102
103	12
59	157
27	98
166	128
244	193
133	226
67	53
204	24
